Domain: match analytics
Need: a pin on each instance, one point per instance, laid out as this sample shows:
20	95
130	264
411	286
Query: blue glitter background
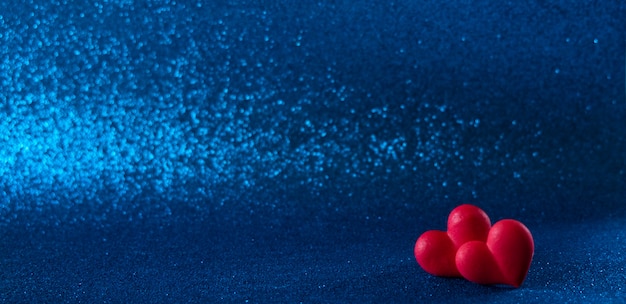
144	142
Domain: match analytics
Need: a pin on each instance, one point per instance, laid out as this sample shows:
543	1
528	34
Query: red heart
472	249
504	259
435	250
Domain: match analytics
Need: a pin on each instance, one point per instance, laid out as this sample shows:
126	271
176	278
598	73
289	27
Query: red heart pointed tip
513	248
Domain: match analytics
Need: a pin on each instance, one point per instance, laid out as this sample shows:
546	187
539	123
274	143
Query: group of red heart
475	250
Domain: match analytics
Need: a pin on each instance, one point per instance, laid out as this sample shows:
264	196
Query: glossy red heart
435	250
504	259
472	249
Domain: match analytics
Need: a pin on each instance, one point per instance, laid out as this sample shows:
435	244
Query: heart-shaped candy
504	259
435	250
472	249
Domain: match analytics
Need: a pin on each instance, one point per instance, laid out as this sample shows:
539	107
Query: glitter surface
285	122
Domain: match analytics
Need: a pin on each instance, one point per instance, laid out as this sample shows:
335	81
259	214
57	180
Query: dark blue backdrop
293	151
